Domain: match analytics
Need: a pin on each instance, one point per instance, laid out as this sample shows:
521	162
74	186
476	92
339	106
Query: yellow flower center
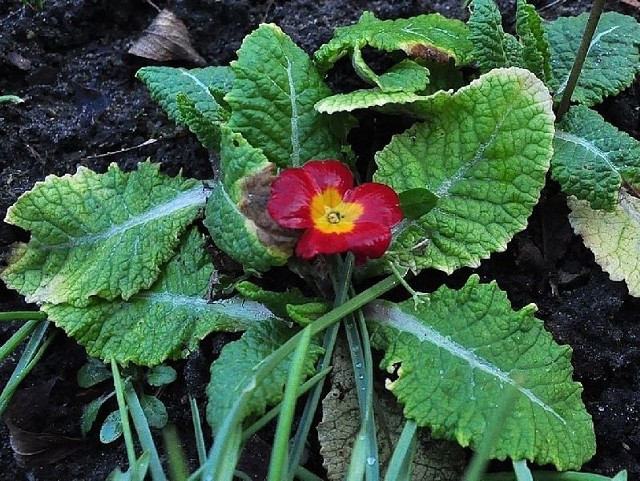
331	215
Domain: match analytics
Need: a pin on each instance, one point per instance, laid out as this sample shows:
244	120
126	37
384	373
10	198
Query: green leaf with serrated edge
429	36
206	130
612	62
457	355
154	410
232	374
535	48
592	159
487	36
304	314
198	84
484	154
364	99
275	88
613	237
493	48
103	235
277	302
162	322
236	213
405	76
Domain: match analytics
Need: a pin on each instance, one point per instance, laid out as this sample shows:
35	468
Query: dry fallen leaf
435	460
166	39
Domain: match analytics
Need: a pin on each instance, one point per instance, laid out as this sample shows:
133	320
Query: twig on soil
126	149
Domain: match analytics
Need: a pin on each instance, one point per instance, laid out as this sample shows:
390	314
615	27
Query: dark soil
84	107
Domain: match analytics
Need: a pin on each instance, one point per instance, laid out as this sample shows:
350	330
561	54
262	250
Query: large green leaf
163	322
613	237
429	36
103	235
592	159
275	88
236	213
457	357
191	97
484	154
232	374
612	62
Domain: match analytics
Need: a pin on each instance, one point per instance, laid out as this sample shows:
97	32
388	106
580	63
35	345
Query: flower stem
583	50
23	316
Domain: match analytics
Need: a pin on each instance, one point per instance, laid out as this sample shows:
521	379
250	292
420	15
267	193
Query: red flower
319	197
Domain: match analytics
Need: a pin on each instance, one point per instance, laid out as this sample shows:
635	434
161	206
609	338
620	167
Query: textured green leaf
458	355
429	36
162	322
484	154
487	36
612	62
93	372
280	302
154	410
232	374
405	76
493	48
535	48
236	213
275	88
613	237
103	235
592	159
191	97
364	99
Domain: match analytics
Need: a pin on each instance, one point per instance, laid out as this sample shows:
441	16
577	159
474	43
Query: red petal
381	204
291	193
368	239
330	173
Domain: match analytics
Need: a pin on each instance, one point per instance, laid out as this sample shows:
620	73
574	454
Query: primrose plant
117	260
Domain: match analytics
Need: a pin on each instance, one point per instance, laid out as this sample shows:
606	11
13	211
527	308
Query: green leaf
275	88
487	36
417	202
493	48
456	357
111	428
191	97
484	154
161	375
92	373
236	212
535	48
613	237
405	76
429	36
232	372
103	235
281	303
160	323
90	412
364	99
154	410
612	62
592	159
